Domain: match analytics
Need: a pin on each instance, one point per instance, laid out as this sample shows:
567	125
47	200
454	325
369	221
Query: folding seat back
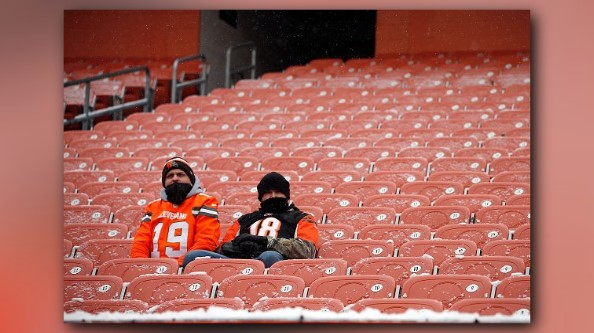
79	233
478	233
400	143
350	142
360	165
240	144
118	200
310	269
508	144
488	154
502	189
300	164
510	216
494	267
438	249
352	250
399	268
102	250
96	306
318	153
327	201
78	163
397	305
262	153
75	199
399	164
78	266
411	123
435	216
335	231
399	202
314	304
69	187
220	269
453	143
92	287
143	118
230	213
428	153
192	304
448	289
513	177
371	153
249	199
237	164
474	202
290	175
493	306
130	216
252	288
522	232
229	187
334	177
120	136
351	288
294	143
458	164
156	289
140	177
87	214
396	233
506	163
432	189
101	153
515	286
124	164
514	248
84	144
466	178
360	217
324	134
208	177
130	268
92	189
67	248
135	144
70	136
396	177
159	154
365	189
305	187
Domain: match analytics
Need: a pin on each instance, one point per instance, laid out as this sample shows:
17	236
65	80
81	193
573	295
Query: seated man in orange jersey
277	231
184	219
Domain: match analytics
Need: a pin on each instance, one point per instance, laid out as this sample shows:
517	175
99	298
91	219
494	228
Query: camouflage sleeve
293	248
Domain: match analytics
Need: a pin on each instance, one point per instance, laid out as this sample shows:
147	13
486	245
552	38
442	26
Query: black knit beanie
177	163
273	181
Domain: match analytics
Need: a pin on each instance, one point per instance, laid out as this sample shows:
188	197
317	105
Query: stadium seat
87	214
400	143
230	213
93	189
202	145
290	175
78	163
350	142
135	144
208	177
140	177
509	215
160	154
78	266
67	249
237	164
493	306
96	306
454	144
130	216
262	153
220	269
130	268
429	153
156	289
120	136
249	199
399	202
397	305
335	231
508	144
124	164
192	304
334	177
438	249
143	117
79	233
502	189
357	164
396	233
466	178
515	286
522	232
512	177
315	211
118	200
313	304
478	233
365	189
229	187
494	267
448	289
69	187
84	144
412	123
396	177
240	144
432	189
102	250
75	199
360	217
294	143
309	269
488	154
300	164
92	287
351	288
506	163
435	216
400	268
252	288
474	202
318	153
324	134
399	164
101	153
458	164
371	153
352	250
327	201
515	248
304	187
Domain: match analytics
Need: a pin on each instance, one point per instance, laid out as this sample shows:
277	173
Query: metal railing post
251	67
177	87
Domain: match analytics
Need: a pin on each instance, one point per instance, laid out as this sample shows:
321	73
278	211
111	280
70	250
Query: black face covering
177	192
274	205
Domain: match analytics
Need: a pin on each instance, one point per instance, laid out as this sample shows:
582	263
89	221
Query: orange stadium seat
134	144
400	268
478	233
350	142
252	288
509	164
166	126
453	143
399	164
399	202
96	306
92	287
429	153
515	286
262	153
140	177
522	232
473	202
315	211
396	233
446	288
87	214
365	189
130	216
351	288
78	266
78	163
230	213
300	164
69	187
240	144
458	164
239	165
360	217
318	153
396	177
79	233
220	269
229	187
371	153
144	117
75	199
102	250
352	250
335	231
397	305
493	306
294	143
155	153
120	136
438	249
130	268
82	144
67	249
192	304
156	289
124	164
515	248
249	199
118	200
502	189
70	136
510	216
314	304
290	175
400	143
466	178
333	177
100	153
309	269
311	186
488	154
496	268
432	189
327	201
208	177
512	177
93	189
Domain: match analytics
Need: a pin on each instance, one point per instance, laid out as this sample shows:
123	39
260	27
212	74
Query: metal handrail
176	87
87	116
251	67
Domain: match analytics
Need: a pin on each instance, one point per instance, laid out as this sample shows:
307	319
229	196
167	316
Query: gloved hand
250	245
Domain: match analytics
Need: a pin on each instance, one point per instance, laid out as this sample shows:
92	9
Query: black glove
260	240
249	245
